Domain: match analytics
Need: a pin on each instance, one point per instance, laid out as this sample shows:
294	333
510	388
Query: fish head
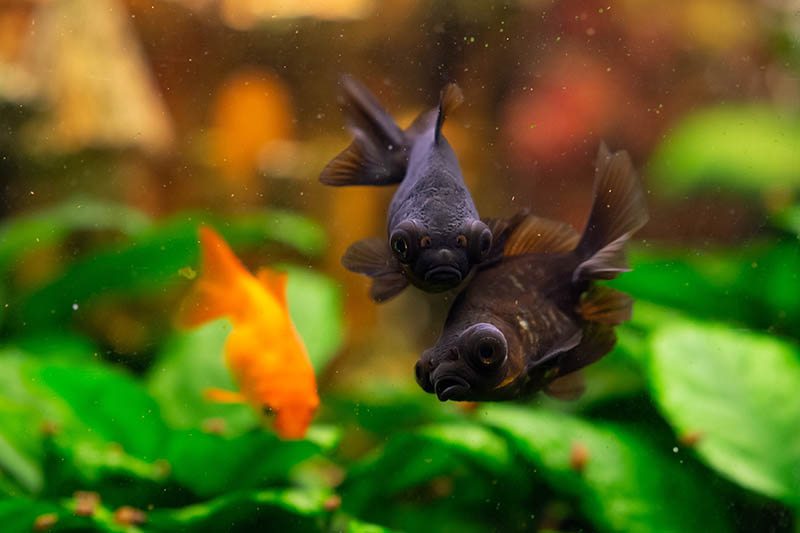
472	364
437	260
292	419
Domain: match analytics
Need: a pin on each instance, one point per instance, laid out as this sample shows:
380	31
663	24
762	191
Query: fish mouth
450	388
443	274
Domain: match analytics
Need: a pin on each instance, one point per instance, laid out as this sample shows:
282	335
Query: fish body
530	319
264	353
434	233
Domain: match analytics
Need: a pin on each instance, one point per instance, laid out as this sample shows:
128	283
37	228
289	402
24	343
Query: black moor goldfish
435	235
532	318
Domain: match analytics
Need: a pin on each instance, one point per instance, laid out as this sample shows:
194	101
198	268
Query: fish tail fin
379	153
618	210
211	296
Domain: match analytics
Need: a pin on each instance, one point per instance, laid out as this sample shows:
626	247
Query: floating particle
187	272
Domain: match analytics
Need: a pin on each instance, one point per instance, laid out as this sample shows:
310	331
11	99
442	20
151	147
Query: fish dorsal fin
567	388
605	306
450	98
540	235
275	284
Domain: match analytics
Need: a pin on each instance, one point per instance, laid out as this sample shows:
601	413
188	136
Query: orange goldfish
266	356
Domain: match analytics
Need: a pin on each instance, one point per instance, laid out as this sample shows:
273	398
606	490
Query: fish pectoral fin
371	257
541	235
605	306
387	286
217	395
560	347
598	340
275	283
567	388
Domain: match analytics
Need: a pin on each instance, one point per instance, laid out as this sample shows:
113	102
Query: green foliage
623	476
755	285
315	305
748	148
52	225
384	457
746	416
150	261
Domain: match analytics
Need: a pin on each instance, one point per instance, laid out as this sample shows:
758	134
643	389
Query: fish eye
480	241
486	352
486	347
486	242
425	242
461	241
404	241
400	246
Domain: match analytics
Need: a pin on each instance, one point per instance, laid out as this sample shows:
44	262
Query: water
126	125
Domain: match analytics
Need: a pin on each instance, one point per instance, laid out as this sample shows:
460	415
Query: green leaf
190	363
789	219
315	305
738	392
755	285
745	147
89	464
461	469
18	515
625	483
212	464
150	261
283	510
21	234
110	405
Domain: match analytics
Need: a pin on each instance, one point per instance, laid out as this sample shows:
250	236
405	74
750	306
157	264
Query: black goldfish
532	318
435	235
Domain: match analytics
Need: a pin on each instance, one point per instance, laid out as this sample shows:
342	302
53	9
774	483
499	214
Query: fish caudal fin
618	210
379	153
373	258
211	296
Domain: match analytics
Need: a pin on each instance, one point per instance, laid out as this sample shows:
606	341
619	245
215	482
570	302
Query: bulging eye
485	346
400	246
405	242
461	241
425	242
480	241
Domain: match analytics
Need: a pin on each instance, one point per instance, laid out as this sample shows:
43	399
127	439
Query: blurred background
124	124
